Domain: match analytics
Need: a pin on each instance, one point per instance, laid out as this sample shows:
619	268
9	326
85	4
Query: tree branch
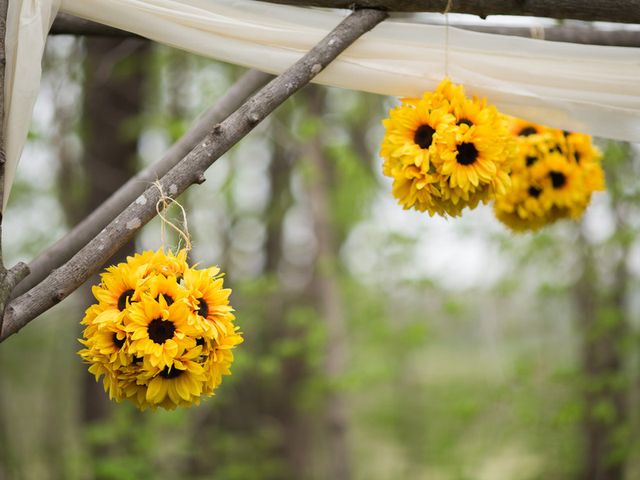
61	282
81	234
8	278
622	11
65	24
569	34
69	25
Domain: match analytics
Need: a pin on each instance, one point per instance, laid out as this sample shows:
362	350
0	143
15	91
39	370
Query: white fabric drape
592	89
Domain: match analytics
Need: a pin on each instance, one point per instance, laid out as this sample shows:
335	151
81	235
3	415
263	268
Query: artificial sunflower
445	151
161	332
553	177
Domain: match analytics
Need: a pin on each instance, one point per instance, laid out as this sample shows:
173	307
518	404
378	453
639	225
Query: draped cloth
585	88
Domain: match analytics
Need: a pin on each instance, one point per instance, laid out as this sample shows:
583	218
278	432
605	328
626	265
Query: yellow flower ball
553	176
446	152
161	332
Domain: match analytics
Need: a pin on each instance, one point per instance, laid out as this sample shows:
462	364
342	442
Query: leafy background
380	343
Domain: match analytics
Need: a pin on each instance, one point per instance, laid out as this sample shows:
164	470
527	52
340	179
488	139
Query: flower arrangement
553	177
161	332
446	151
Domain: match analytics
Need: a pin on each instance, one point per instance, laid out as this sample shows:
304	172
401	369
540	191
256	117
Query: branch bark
65	24
81	234
8	277
622	11
68	25
61	282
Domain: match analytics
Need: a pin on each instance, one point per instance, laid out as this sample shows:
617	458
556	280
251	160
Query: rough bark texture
605	392
190	170
98	218
65	25
595	10
568	34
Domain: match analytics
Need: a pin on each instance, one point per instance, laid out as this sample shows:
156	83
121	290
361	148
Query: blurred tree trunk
259	401
114	71
295	425
327	291
604	326
114	91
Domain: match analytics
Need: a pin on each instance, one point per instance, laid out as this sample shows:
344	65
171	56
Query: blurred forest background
379	343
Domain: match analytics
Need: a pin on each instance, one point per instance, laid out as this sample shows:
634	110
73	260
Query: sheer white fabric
592	89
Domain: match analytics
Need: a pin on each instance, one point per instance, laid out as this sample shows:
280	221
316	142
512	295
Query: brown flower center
167	298
424	136
116	341
202	308
535	192
526	131
467	153
558	179
124	298
160	330
170	373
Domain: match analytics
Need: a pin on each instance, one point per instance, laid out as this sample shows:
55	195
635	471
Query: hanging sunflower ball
553	177
161	333
446	151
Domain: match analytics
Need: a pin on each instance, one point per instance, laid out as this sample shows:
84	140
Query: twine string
164	202
446	37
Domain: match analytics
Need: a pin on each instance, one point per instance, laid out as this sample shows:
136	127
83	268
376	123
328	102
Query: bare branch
569	34
81	234
622	11
61	282
66	24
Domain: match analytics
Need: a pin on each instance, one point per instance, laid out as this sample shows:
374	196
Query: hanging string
162	205
446	37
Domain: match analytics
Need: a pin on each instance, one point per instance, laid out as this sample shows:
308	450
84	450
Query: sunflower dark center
170	373
424	136
202	308
116	341
122	299
167	298
555	149
558	179
160	330
535	192
467	153
526	131
465	121
531	159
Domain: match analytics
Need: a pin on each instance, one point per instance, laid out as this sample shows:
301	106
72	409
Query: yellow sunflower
210	301
553	177
446	152
159	331
178	384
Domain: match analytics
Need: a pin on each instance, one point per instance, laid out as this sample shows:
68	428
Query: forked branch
60	283
61	251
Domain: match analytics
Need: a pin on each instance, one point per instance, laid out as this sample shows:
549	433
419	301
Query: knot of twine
164	202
